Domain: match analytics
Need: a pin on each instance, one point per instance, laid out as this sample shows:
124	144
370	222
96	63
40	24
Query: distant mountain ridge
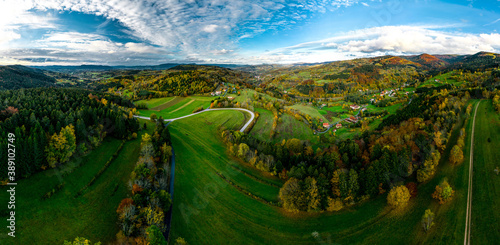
108	68
17	76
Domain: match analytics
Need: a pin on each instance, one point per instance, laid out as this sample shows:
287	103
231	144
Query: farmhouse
218	92
355	107
326	125
339	125
352	119
230	98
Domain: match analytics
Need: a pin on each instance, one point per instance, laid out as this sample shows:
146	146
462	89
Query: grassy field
311	111
486	189
262	129
182	107
155	102
443	79
209	210
64	217
287	129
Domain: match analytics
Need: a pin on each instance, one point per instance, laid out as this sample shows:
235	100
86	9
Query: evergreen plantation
45	119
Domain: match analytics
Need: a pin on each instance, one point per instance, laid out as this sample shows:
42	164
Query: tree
243	150
334	204
61	146
443	192
335	183
180	241
153	117
398	196
427	219
457	155
313	197
294	145
353	183
155	236
290	195
412	187
80	241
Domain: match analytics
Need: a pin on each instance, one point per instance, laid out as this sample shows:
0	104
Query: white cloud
394	40
210	28
186	25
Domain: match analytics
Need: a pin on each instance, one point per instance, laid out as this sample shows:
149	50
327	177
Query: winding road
252	116
469	192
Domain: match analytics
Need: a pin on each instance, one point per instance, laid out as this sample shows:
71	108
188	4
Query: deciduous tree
398	196
428	219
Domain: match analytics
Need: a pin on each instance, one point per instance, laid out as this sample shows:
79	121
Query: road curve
252	116
469	192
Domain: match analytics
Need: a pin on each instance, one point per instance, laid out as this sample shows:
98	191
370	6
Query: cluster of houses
352	119
389	93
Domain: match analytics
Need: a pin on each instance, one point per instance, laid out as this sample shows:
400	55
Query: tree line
355	169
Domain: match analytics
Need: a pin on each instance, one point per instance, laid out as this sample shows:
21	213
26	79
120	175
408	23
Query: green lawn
262	129
155	102
486	189
182	108
311	111
208	210
287	129
64	217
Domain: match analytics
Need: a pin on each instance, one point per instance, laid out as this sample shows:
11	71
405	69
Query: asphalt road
252	116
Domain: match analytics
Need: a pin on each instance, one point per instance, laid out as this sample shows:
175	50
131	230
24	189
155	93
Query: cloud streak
209	31
385	40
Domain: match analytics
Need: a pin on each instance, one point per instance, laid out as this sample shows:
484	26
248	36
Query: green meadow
64	216
207	208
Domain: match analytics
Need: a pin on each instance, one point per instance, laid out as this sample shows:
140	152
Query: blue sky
148	32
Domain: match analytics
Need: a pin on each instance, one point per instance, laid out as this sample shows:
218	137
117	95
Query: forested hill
50	125
16	77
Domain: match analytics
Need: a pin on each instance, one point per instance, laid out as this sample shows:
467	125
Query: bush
443	192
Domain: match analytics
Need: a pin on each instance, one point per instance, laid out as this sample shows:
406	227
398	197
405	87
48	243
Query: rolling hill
16	77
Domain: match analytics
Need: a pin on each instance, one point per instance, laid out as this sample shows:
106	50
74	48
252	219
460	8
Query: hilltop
16	77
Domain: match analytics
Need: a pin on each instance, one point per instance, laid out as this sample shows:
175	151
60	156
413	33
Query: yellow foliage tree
398	196
334	204
61	146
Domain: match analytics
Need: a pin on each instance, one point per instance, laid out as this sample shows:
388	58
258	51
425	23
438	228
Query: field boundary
180	108
168	104
468	216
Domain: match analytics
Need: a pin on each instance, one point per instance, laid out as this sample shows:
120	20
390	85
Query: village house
326	125
352	119
355	107
339	125
230	98
218	92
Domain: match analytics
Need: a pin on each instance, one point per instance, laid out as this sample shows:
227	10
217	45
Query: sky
151	32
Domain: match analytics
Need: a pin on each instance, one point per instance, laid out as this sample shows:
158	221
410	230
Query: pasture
178	107
486	191
64	216
208	208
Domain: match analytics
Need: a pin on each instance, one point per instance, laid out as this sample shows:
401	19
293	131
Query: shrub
443	192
